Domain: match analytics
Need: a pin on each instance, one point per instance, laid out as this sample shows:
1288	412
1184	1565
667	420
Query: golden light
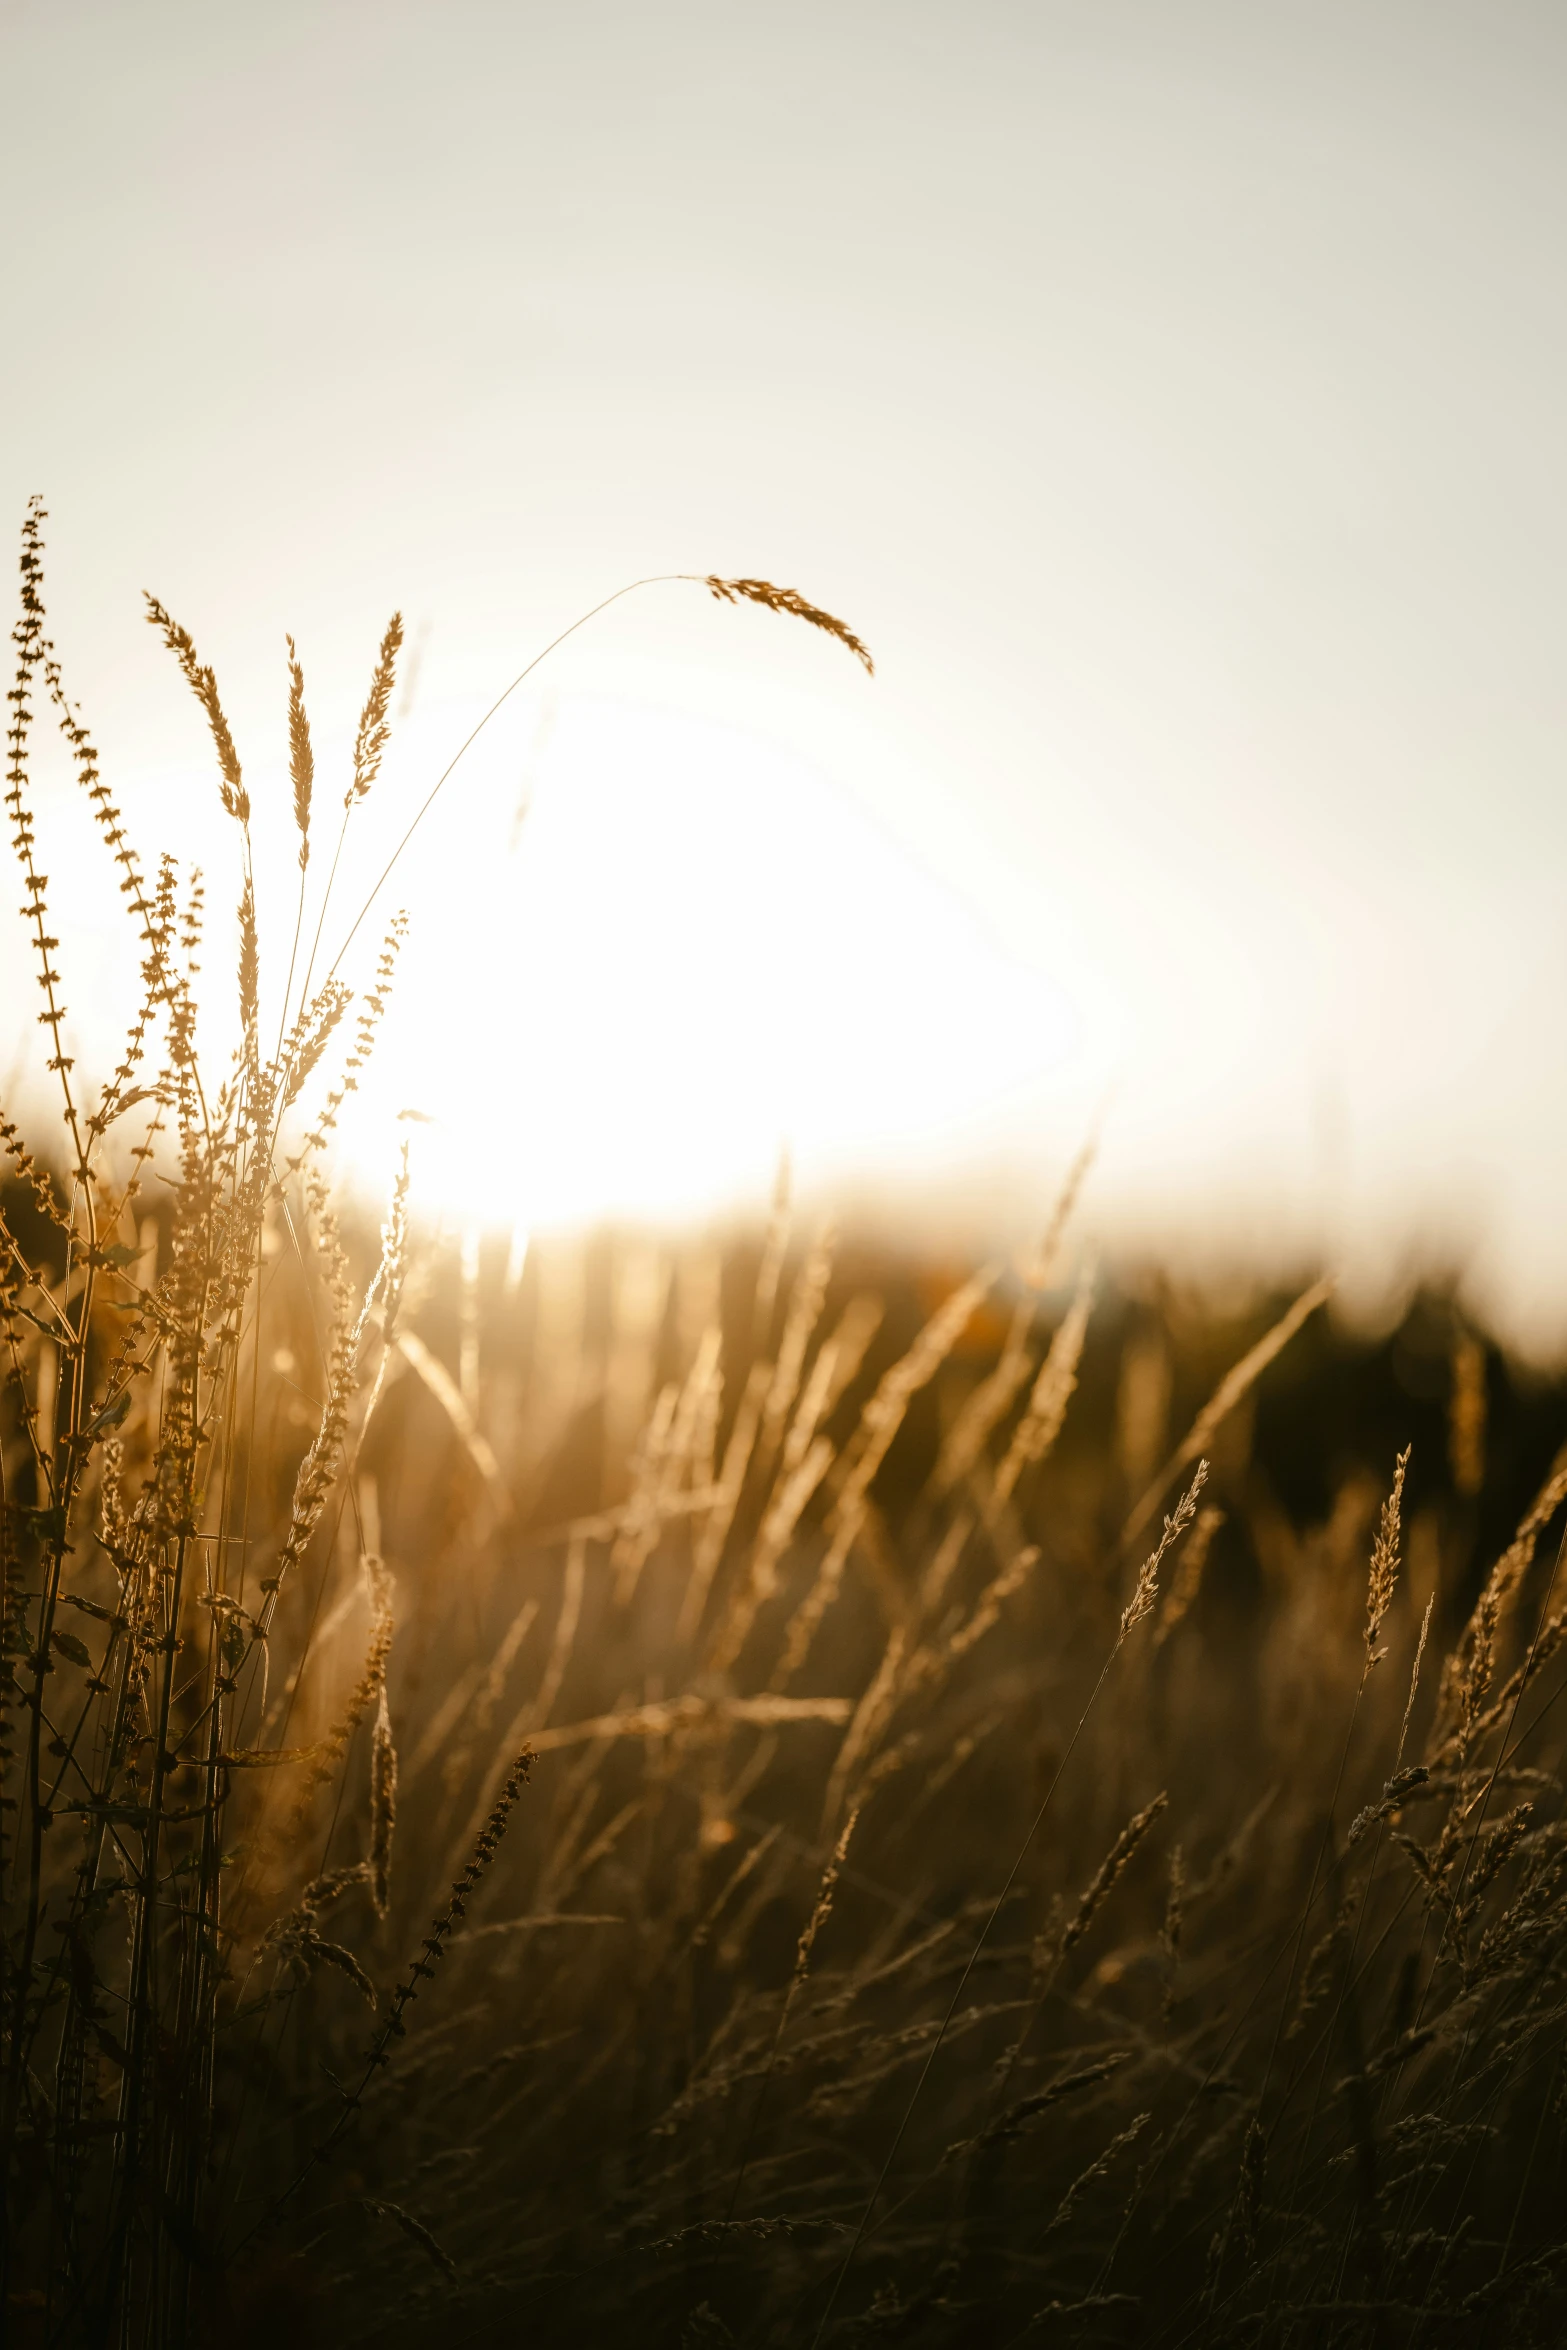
665	948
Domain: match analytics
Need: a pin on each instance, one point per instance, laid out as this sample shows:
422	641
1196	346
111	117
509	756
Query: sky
1168	392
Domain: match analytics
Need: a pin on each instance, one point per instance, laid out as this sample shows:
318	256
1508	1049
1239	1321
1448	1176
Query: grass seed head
777	599
301	758
375	729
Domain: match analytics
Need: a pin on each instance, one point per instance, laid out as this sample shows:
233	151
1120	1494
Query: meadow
759	1790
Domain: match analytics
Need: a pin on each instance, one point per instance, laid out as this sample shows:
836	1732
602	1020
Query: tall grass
824	1867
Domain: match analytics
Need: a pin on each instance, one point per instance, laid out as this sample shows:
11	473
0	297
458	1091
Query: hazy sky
1171	394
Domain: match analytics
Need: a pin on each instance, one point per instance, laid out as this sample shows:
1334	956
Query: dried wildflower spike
777	599
394	1247
311	1034
1466	1676
1493	1851
824	1899
433	1950
301	758
802	1960
383	1806
204	686
1146	1590
371	1013
249	960
1097	2168
1394	1795
374	728
1383	1579
1188	1575
1112	1867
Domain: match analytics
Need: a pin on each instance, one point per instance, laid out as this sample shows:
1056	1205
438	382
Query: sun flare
662	950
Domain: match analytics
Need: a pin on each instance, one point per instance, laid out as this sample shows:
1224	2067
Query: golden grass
880	1891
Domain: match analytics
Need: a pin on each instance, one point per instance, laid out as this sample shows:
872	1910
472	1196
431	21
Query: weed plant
736	1794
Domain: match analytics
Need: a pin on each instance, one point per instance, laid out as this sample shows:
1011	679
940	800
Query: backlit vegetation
751	1792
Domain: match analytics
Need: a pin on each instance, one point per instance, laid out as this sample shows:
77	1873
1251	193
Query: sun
648	947
660	950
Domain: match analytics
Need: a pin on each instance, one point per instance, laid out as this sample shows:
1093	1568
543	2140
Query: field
749	1791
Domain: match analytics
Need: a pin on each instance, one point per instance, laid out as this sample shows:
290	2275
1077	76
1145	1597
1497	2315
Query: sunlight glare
666	951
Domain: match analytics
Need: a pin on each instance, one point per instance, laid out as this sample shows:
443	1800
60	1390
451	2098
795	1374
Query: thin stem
952	2005
654	579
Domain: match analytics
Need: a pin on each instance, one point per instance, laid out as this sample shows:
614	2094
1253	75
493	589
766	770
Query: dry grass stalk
820	1913
995	1395
715	1533
822	1910
1466	1674
433	1372
688	1461
988	1406
669	1716
372	1011
920	1671
676	1445
301	757
249	968
157	2062
368	1692
805	1310
484	1695
1414	1680
374	724
1382	1580
383	1805
834	1371
1188	1574
1235	1384
159	1750
879	1424
1036	1432
992	1599
204	685
1098	2169
1548	1642
438	1730
416	2232
790	1500
944	1564
422	1969
573	1584
870	1719
1109	1872
642	1517
1038	1269
777	599
319	1469
1145	1592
